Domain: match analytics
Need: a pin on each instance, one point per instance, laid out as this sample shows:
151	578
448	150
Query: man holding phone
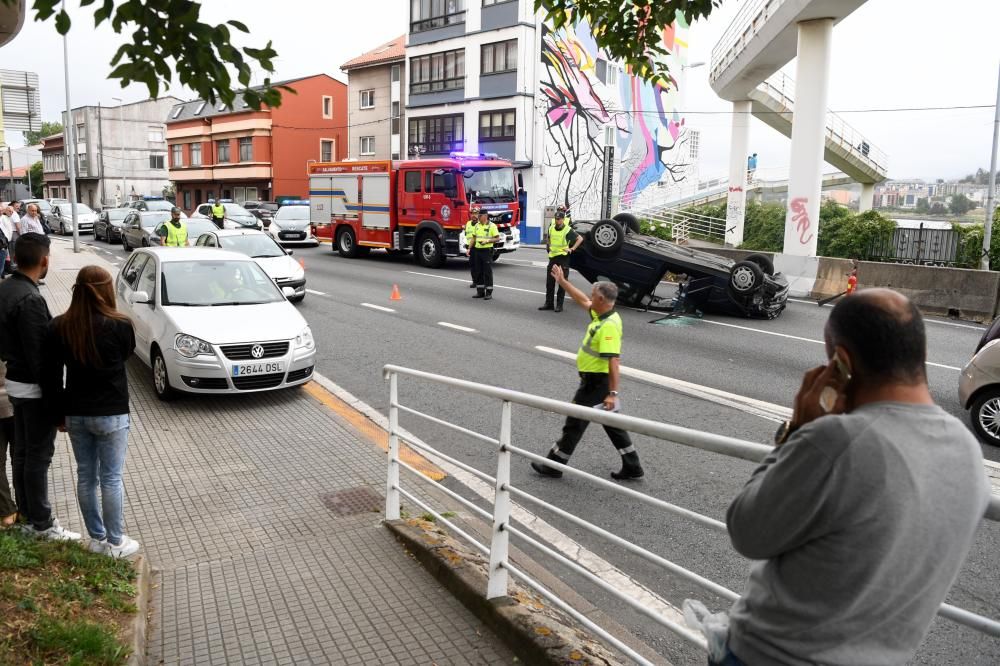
861	517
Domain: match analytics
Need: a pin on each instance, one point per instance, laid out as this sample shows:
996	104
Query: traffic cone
395	293
302	263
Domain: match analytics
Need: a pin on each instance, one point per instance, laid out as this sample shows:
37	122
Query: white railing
500	568
744	26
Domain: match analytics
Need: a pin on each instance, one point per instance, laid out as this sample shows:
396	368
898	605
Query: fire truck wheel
347	244
429	252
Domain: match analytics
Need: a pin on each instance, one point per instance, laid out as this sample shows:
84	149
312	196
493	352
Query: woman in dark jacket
91	342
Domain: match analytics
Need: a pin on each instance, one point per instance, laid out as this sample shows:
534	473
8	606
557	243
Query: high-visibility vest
558	240
176	236
602	341
218	211
484	234
470	230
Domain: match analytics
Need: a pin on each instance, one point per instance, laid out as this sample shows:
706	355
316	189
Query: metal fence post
497	586
392	477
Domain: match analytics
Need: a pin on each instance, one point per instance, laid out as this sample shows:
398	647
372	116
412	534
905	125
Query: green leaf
239	26
62	22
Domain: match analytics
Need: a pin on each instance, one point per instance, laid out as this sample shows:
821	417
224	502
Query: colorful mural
588	104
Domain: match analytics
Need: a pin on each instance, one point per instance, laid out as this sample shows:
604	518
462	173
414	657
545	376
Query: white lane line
313	291
457	327
496	286
929	321
380	308
796	337
569	548
765	410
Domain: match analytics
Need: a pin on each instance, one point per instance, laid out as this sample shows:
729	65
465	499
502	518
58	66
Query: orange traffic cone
395	293
302	263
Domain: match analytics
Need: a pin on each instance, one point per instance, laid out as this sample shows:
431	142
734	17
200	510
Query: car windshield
116	214
490	185
268	206
153	220
43	205
258	246
240	215
293	213
159	205
217	283
81	208
198	226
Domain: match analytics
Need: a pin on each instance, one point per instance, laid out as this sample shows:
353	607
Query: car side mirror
289	252
288	292
139	297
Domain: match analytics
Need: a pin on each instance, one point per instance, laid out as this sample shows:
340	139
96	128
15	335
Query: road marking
381	308
318	293
797	337
929	321
496	286
457	327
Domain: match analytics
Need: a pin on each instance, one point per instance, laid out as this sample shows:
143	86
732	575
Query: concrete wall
374	121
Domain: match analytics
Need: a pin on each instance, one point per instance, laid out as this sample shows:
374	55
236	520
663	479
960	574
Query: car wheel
430	254
347	243
985	415
62	229
161	381
495	257
145	242
629	221
745	278
298	299
606	239
125	245
763	261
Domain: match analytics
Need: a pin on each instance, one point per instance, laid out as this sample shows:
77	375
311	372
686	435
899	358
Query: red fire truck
418	206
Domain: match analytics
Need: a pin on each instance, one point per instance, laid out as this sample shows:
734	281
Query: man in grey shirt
862	516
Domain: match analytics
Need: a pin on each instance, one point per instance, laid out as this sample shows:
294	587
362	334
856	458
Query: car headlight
304	340
190	346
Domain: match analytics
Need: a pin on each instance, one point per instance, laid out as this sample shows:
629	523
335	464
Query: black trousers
7	505
550	282
482	269
593	390
31	455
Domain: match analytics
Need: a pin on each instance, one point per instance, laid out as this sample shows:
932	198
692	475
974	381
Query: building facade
121	153
246	155
375	85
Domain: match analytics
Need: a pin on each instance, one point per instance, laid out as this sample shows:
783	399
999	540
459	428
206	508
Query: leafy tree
48	129
37	179
938	208
854	236
959	204
167	38
922	205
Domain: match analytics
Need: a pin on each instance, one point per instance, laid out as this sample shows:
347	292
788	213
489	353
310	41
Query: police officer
562	241
598	364
484	236
173	233
218	214
469	226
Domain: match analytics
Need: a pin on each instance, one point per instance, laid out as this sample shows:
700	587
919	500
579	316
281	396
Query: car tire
606	239
62	229
125	245
145	242
985	416
495	257
298	299
763	261
745	279
161	381
430	253
347	243
629	221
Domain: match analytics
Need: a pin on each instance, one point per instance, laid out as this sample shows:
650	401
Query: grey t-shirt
862	522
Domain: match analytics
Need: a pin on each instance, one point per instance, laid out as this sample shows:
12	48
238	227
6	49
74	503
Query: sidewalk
229	497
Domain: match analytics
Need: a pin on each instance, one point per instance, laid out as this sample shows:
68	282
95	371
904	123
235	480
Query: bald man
861	517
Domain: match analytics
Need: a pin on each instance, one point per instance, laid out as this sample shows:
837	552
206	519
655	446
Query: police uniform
219	215
601	343
176	236
469	226
560	242
483	236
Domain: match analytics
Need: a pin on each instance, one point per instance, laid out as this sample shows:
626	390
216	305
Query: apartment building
375	85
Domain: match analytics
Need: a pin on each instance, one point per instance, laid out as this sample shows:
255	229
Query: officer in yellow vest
173	233
469	226
562	241
218	214
598	364
484	236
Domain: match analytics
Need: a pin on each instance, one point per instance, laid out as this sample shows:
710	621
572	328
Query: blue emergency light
295	202
461	154
151	198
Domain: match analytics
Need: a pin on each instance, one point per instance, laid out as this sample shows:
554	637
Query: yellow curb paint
372	431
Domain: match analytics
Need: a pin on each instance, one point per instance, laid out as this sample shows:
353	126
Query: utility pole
10	167
121	118
71	136
100	151
991	193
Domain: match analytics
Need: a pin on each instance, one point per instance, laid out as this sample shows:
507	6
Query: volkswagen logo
257	351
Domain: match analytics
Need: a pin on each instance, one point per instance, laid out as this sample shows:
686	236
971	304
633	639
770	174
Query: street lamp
70	135
700	63
121	131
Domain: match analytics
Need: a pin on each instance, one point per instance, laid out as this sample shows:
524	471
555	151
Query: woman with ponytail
86	386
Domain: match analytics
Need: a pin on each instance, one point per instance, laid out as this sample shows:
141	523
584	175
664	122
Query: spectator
24	319
6	238
8	509
90	343
16	215
863	514
31	223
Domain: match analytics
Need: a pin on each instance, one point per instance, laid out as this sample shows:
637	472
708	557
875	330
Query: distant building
375	85
241	154
14	184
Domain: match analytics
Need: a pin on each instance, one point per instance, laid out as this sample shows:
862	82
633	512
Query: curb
536	632
135	636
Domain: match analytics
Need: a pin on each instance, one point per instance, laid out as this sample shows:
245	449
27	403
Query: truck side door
411	207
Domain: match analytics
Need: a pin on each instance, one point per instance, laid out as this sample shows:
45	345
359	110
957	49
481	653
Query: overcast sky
888	54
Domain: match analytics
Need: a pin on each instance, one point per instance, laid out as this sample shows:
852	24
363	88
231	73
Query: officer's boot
556	455
489	293
631	469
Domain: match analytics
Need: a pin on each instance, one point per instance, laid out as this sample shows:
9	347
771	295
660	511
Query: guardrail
744	26
500	568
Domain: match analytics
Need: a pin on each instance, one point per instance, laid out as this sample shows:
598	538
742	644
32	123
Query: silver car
979	387
60	220
139	228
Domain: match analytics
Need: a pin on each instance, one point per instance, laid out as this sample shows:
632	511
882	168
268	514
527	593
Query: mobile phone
842	369
828	396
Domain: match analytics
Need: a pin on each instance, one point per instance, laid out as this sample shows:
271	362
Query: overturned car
615	250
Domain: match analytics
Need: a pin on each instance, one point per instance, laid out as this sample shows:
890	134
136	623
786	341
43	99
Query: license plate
266	368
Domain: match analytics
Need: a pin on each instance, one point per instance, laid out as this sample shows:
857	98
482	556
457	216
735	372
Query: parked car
291	225
637	263
139	228
979	386
110	223
44	208
237	217
251	339
274	259
60	220
262	210
151	203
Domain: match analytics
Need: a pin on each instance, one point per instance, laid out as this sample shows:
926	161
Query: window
251	194
195	154
412	181
246	149
177	155
81	133
147	279
499	57
438	71
241	194
609	135
601	67
395	156
437	134
487	3
445	184
155	135
612	74
367	99
394	118
395	73
494	125
430	14
367	145
180	108
82	162
187	199
158	161
222	151
201	107
694	138
325	150
327	106
133	267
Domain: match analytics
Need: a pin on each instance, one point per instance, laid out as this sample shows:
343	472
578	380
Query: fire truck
418	206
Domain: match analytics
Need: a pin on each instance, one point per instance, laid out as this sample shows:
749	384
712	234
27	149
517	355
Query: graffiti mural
588	103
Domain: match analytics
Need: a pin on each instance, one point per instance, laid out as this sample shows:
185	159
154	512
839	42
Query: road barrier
500	568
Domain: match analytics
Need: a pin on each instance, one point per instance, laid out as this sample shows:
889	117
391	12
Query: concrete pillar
867	196
805	180
739	146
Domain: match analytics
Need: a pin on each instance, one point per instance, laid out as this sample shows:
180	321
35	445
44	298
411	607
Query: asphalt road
439	328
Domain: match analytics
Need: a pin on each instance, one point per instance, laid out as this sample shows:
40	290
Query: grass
60	604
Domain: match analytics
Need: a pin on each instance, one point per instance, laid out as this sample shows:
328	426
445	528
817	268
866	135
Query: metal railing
500	568
744	26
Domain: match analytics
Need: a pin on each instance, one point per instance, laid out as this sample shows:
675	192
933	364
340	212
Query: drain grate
353	501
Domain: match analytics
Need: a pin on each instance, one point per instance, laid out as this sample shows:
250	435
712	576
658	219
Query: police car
291	224
236	216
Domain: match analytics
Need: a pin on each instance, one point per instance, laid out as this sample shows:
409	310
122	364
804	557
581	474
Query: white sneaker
128	546
99	547
56	533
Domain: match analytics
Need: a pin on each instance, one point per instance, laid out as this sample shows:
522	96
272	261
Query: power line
756	113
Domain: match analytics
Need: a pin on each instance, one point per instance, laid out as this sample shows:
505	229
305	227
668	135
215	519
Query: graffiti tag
737	188
801	218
